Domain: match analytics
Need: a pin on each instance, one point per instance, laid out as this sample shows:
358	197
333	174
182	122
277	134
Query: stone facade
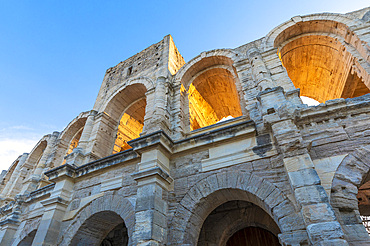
177	153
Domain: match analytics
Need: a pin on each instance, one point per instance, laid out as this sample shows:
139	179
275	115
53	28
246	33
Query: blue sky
53	54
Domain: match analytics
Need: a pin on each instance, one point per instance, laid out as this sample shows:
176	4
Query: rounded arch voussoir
108	202
347	20
349	176
217	189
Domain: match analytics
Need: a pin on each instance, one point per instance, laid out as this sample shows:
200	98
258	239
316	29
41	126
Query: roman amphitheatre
219	150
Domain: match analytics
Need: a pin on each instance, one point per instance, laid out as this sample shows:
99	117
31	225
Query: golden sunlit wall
74	142
212	96
320	65
130	126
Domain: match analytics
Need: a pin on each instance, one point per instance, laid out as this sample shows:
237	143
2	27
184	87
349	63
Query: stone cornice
152	140
334	109
40	192
159	139
157	171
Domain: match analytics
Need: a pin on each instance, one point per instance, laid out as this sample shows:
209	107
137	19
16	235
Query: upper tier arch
272	39
203	61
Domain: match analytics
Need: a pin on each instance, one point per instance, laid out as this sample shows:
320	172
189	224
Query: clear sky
53	54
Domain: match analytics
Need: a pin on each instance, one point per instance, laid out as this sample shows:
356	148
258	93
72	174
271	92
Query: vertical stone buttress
54	210
159	118
278	113
153	182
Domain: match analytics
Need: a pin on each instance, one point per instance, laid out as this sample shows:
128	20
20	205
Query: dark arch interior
104	228
238	223
27	241
116	237
253	236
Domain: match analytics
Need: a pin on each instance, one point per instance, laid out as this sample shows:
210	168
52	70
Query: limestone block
295	238
304	177
356	232
275	198
291	222
151	202
110	184
265	189
324	231
311	194
243	180
283	209
334	242
353	170
298	162
316	213
220	158
343	195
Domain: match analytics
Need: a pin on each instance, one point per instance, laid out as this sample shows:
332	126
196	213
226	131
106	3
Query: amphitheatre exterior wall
299	172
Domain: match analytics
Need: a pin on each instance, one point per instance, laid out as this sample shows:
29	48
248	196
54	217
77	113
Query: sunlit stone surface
264	144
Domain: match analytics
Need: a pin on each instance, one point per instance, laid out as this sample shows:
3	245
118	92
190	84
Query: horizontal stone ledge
235	128
40	192
157	171
9	221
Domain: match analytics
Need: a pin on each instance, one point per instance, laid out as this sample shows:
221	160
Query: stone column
55	208
12	181
154	183
101	140
261	74
178	116
78	154
149	111
85	135
160	118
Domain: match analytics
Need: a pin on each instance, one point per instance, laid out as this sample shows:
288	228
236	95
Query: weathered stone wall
299	172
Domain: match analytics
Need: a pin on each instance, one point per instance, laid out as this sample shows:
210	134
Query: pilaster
160	117
154	182
55	207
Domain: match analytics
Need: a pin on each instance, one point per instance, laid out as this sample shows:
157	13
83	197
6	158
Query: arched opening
349	196
253	236
131	125
74	142
239	223
213	91
127	109
322	58
27	241
212	97
103	228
